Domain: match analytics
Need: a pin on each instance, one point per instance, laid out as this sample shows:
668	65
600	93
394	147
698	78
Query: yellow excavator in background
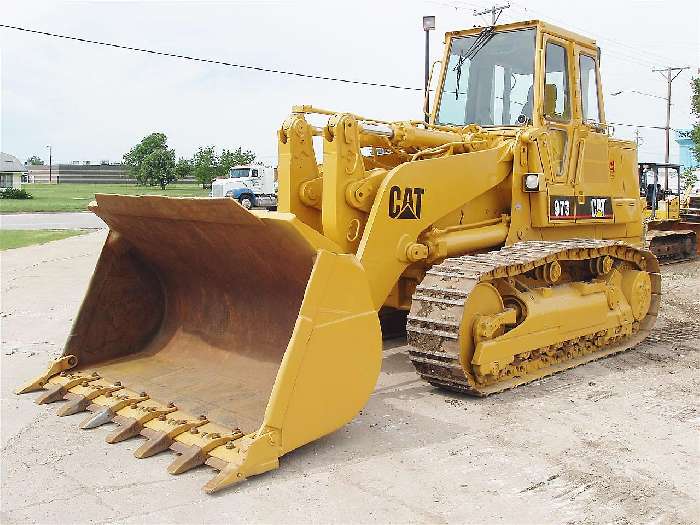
670	237
509	227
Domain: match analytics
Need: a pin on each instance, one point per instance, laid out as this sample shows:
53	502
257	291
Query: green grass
76	197
10	239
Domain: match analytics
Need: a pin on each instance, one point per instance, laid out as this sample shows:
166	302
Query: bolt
63	374
142	394
214	435
194	430
117	383
134	405
84	383
95	374
171	405
202	418
230	445
161	417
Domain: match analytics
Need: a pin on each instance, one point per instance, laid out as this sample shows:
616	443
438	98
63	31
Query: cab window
254	173
556	84
238	173
589	89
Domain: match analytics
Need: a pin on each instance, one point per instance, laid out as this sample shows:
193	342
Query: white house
11	171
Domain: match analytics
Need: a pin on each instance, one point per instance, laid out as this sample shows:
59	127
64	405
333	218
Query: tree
183	168
205	165
688	178
158	167
232	158
695	109
154	147
34	161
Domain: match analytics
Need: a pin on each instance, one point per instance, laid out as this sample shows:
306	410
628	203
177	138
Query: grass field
76	197
17	238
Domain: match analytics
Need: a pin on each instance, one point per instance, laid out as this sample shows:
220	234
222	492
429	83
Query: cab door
593	168
557	118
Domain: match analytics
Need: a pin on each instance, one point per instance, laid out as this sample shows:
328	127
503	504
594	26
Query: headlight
532	182
229	193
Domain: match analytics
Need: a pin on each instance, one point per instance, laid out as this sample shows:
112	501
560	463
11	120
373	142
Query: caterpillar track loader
508	228
669	236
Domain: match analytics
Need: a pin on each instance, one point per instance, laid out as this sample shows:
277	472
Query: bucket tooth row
196	440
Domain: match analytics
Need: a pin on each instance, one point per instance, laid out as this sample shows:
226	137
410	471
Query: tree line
152	163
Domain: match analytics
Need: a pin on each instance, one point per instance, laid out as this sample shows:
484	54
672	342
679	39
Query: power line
248	67
209	60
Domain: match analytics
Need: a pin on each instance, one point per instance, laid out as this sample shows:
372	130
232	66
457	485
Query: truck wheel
246	201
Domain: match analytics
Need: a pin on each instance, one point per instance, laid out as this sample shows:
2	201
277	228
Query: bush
15	193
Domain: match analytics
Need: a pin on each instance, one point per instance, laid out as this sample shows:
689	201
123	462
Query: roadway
51	221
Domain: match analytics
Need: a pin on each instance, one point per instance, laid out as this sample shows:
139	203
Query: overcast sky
94	103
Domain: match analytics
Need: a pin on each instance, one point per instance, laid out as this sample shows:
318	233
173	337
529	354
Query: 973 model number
562	207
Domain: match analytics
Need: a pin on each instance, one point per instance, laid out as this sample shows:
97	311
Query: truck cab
253	186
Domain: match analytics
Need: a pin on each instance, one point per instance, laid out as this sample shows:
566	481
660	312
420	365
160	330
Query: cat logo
406	204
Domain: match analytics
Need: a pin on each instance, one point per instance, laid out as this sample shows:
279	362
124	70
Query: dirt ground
615	441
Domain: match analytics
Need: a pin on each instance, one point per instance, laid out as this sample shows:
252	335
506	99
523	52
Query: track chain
434	321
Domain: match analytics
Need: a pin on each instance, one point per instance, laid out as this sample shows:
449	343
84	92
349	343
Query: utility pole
50	164
670	73
495	11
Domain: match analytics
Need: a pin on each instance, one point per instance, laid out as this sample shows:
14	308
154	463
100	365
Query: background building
685	145
11	171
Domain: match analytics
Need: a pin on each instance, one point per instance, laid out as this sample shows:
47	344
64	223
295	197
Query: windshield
489	79
237	173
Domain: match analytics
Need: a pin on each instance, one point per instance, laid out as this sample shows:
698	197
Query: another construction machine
669	237
509	227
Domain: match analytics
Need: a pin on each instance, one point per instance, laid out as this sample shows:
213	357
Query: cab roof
543	26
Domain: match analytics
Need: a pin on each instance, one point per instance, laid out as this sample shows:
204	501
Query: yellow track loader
669	236
508	228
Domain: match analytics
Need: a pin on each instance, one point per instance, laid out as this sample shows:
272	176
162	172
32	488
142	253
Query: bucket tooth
106	414
132	426
81	403
129	430
158	441
53	393
195	455
78	404
99	418
190	459
253	455
55	368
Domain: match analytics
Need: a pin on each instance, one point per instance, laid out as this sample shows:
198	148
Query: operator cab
240	172
518	74
660	184
533	74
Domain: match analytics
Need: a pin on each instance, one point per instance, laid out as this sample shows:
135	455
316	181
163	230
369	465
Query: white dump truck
253	186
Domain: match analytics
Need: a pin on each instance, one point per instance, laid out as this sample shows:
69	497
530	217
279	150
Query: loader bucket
228	336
